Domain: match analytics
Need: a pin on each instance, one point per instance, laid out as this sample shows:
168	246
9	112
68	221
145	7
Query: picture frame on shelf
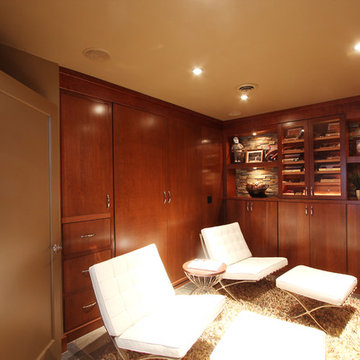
254	156
357	147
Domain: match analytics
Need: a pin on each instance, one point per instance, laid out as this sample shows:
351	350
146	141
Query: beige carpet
343	325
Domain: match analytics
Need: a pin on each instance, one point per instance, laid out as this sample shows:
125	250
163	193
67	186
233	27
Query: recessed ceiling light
197	71
245	90
96	54
357	47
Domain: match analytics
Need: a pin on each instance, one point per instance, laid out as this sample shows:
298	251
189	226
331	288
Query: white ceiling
299	52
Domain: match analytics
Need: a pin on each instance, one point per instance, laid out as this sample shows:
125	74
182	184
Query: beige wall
36	73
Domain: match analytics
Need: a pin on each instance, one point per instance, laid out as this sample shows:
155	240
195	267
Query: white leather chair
226	243
140	310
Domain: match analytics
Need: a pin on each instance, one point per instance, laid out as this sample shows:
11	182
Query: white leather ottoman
255	337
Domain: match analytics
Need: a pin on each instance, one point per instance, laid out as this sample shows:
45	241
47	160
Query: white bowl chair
226	243
140	310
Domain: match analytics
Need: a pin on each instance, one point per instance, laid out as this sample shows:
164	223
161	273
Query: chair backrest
225	243
130	286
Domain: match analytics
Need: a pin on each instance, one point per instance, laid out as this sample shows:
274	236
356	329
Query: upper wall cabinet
312	158
86	156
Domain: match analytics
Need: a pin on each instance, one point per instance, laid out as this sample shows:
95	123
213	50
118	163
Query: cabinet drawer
76	274
79	309
86	235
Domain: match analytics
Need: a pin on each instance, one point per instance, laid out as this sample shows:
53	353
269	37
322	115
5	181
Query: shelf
293	162
293	151
324	138
327	184
332	148
353	159
293	184
327	172
294	141
325	161
267	164
293	173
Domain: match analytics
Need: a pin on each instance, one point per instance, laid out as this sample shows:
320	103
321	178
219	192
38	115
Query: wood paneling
328	237
294	239
140	176
86	155
353	239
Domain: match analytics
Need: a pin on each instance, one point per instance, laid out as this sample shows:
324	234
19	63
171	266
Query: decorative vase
357	194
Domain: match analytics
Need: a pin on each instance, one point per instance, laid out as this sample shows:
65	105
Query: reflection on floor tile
96	343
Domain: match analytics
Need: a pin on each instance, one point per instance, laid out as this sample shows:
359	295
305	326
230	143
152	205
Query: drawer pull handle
85	271
89	306
87	236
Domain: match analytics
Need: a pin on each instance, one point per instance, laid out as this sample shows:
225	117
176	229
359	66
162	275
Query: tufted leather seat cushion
329	287
226	243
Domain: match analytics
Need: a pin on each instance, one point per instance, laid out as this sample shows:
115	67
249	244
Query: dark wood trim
87	85
332	108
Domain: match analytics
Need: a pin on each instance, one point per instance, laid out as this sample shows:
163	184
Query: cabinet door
262	228
236	211
294	241
184	195
86	156
140	148
328	237
353	233
327	161
293	159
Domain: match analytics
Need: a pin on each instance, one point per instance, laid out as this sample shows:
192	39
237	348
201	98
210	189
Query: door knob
56	248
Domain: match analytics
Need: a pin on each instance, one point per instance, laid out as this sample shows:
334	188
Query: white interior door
30	282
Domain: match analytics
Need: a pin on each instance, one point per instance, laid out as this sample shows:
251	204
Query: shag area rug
342	324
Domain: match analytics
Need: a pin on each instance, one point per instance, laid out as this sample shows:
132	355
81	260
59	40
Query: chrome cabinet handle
311	191
306	210
251	206
84	271
89	305
169	194
87	235
306	191
311	211
164	197
247	206
56	248
108	203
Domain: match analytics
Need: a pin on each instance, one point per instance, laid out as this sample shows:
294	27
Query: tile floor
84	348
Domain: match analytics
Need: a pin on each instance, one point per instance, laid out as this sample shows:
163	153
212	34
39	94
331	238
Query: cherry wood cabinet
86	156
140	178
313	233
161	201
135	170
312	156
87	205
258	223
353	239
294	239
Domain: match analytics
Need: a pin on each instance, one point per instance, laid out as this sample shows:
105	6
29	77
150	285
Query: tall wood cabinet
87	204
161	201
133	169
